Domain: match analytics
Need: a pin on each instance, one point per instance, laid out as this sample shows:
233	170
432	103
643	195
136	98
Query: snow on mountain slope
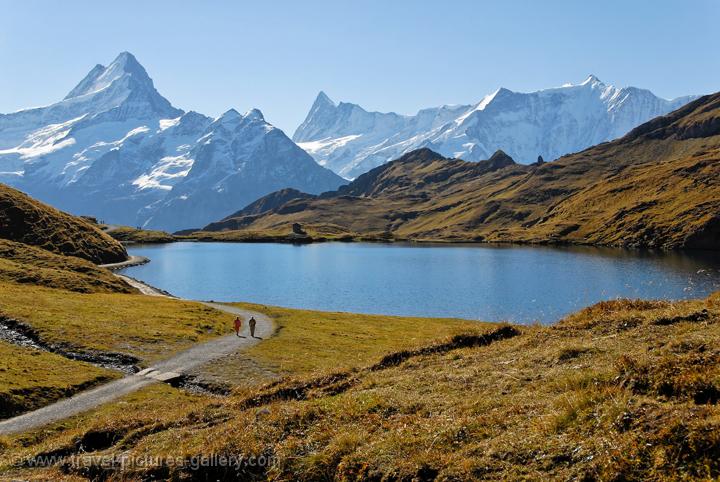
116	93
239	159
50	148
115	148
553	122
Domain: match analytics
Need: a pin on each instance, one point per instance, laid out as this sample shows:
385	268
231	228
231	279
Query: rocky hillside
656	187
237	160
253	210
28	221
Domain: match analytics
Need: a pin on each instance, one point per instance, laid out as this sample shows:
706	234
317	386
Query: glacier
116	149
549	123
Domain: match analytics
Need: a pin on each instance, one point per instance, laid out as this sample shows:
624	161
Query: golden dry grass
127	234
32	378
29	221
153	406
308	342
624	390
149	328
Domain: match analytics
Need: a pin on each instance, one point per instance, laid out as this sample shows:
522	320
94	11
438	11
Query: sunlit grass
593	396
134	235
309	341
32	378
149	328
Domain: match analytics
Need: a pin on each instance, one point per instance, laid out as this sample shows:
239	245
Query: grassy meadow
149	328
126	234
32	378
623	390
309	342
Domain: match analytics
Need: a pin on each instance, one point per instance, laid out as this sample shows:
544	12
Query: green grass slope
26	220
127	234
28	265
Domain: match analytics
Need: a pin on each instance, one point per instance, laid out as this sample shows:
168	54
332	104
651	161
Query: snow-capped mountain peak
117	149
233	121
100	77
591	80
254	115
87	83
238	159
323	99
481	105
548	123
230	116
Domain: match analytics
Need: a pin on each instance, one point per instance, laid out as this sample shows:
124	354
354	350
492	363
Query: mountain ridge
114	148
548	123
28	221
656	187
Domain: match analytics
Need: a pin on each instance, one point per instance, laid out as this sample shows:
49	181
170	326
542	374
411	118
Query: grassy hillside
30	378
309	342
126	234
20	263
131	328
146	327
29	221
658	187
623	390
263	205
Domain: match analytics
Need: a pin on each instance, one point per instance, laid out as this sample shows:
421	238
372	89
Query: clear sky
388	55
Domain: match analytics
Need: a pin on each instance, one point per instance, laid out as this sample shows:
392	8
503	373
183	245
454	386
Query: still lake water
514	283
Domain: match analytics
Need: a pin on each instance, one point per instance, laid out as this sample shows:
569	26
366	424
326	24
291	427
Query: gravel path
166	370
131	261
145	289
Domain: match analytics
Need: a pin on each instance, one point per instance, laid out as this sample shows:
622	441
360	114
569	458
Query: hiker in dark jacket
252	324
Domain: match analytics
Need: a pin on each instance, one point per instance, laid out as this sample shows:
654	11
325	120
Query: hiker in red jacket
238	325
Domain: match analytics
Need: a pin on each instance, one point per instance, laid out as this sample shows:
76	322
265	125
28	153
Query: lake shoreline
473	281
242	237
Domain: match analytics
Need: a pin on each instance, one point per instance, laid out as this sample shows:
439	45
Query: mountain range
656	187
116	149
548	123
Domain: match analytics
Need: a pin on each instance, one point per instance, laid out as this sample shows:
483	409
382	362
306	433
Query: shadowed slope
28	221
20	263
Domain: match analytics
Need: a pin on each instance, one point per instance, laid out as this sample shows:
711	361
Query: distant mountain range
656	187
549	123
116	149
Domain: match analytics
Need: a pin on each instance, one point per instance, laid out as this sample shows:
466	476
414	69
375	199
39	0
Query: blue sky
398	55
